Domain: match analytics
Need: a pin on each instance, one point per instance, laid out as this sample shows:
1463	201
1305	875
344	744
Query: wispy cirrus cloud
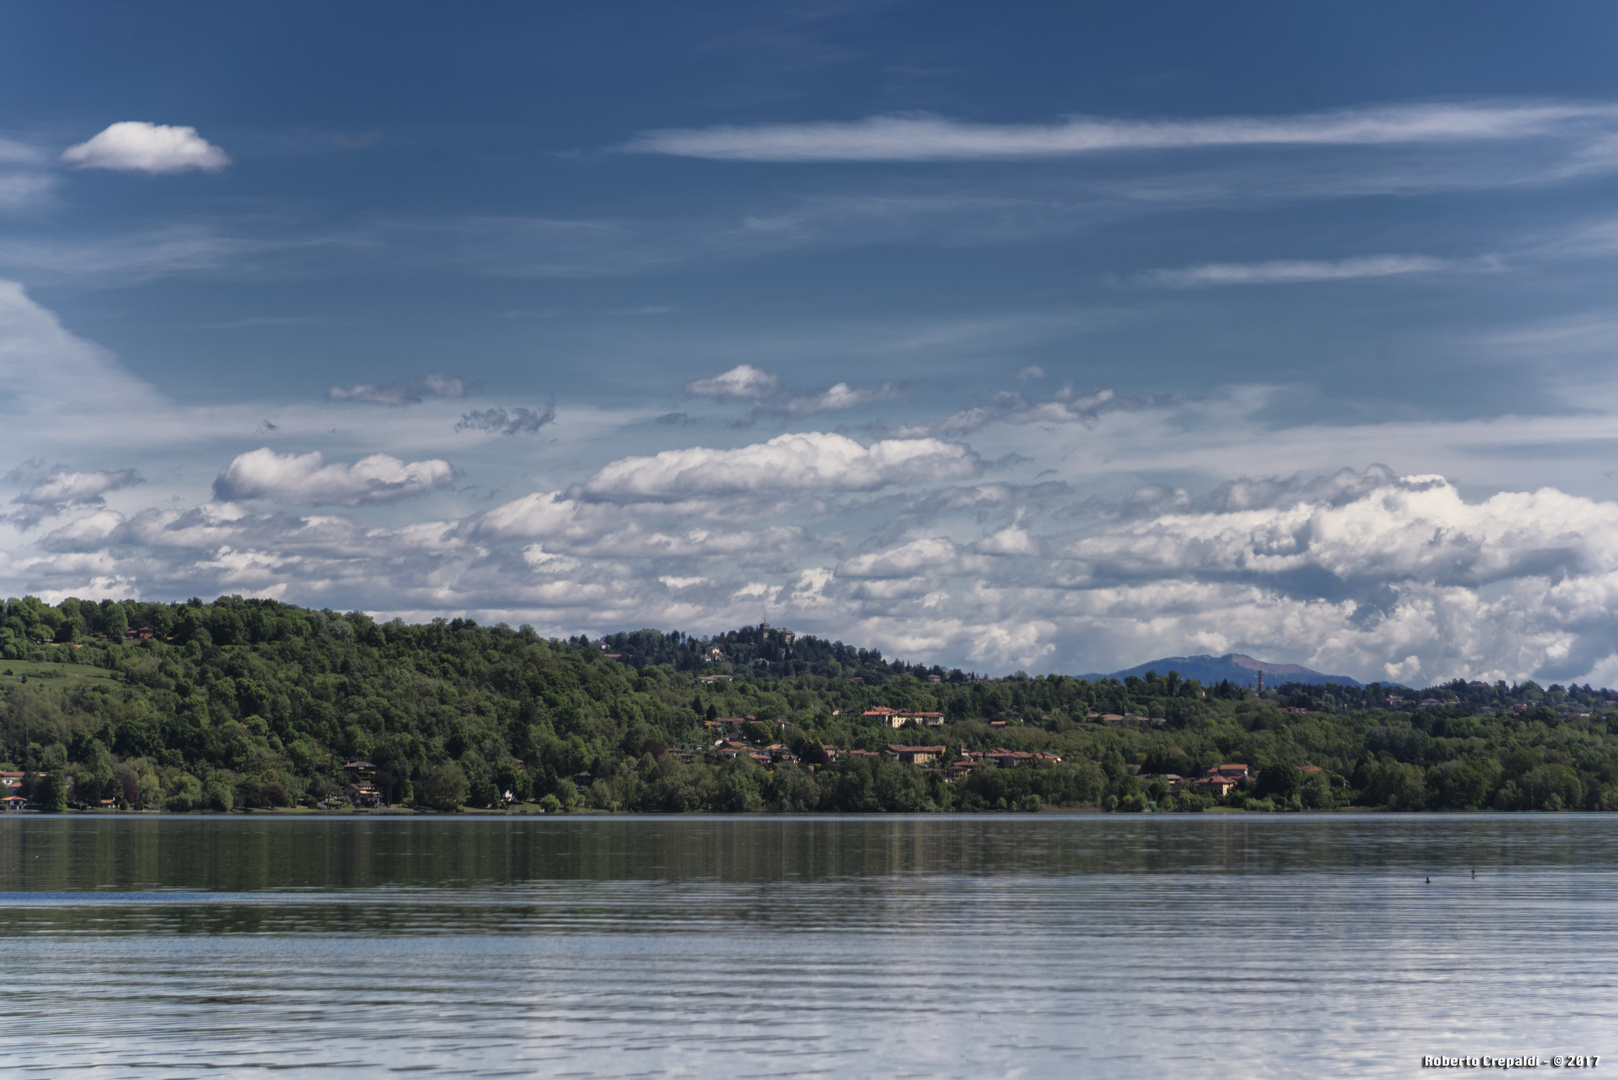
1066	406
1298	271
923	137
24	177
834	398
405	391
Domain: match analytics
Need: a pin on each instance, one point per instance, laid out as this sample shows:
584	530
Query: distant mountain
1237	667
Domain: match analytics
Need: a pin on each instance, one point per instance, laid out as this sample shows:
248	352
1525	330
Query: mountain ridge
1239	668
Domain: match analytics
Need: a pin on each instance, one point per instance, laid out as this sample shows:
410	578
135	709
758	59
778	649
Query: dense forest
255	704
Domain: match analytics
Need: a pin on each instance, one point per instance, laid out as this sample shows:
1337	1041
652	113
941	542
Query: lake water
972	946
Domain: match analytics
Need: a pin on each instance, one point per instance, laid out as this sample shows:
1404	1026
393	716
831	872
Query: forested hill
257	704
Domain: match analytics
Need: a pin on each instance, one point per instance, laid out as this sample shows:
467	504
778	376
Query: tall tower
1261	680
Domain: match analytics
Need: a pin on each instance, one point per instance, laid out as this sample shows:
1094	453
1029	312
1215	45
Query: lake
1049	945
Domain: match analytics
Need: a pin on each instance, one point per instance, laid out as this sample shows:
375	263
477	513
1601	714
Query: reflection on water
957	946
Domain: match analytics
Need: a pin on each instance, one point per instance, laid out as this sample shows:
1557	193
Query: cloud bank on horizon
1155	355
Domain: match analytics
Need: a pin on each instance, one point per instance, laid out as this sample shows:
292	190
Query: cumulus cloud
743	381
1292	272
500	422
1402	529
794	462
306	479
76	487
404	391
137	146
88	533
921	137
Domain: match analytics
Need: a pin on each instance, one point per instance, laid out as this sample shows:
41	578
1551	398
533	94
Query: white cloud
835	398
1288	272
87	533
932	554
1012	540
76	487
1409	529
404	391
919	137
742	381
794	462
605	531
1066	406
136	146
304	478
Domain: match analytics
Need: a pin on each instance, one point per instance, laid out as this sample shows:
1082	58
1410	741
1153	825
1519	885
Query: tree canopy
248	703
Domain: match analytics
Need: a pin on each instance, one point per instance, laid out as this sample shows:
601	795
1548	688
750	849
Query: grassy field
50	674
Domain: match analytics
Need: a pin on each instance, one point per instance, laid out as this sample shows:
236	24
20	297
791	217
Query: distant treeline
257	704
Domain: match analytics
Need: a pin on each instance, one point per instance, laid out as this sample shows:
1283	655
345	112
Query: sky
1031	336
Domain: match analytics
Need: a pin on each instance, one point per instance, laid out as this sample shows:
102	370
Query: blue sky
1036	336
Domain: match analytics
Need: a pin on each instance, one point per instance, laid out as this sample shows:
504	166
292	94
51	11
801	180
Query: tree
443	788
1316	791
50	794
1279	781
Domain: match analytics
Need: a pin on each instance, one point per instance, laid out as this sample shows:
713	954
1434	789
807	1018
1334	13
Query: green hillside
257	704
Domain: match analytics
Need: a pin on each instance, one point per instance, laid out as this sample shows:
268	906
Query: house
898	718
935	678
14	802
957	769
1235	772
10	779
1307	769
710	679
914	755
1214	785
714	655
360	770
363	794
728	725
